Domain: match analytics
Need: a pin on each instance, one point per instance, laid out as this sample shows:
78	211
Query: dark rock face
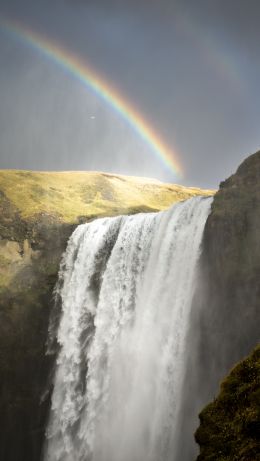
24	312
229	316
230	311
230	426
226	312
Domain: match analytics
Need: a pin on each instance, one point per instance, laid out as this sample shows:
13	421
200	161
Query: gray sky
191	68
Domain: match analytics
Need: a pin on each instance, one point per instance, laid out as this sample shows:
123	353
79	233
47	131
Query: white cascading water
126	286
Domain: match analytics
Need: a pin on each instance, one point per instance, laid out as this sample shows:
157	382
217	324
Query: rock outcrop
38	212
229	319
226	312
230	311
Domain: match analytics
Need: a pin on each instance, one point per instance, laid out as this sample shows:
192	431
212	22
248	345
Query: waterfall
126	287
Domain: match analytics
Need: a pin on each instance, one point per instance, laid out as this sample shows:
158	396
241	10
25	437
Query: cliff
38	212
226	311
230	311
230	425
229	319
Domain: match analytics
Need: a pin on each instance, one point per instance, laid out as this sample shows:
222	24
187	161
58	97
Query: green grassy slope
70	195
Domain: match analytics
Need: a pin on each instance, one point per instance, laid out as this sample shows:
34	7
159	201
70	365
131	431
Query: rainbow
88	77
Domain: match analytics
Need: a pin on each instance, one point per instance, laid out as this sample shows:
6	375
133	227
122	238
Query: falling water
126	286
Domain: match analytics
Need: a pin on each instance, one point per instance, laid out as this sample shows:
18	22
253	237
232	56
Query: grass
69	195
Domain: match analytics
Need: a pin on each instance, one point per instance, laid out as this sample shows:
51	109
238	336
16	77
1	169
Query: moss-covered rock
38	212
230	425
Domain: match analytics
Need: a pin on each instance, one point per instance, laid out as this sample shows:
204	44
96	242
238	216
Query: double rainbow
88	77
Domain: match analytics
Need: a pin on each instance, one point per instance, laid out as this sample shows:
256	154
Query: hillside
74	195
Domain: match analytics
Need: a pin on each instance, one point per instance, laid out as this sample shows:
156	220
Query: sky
190	69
